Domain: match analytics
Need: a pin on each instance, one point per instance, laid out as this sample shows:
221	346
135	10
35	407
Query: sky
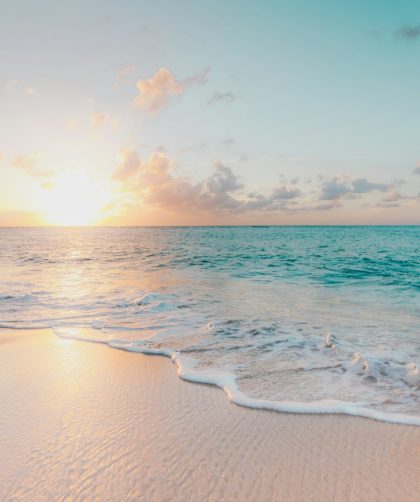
118	112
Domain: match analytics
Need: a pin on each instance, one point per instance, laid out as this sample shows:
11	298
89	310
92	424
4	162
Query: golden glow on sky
73	199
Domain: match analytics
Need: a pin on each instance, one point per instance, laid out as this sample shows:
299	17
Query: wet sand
81	421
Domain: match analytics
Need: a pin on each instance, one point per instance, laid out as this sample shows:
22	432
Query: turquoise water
300	315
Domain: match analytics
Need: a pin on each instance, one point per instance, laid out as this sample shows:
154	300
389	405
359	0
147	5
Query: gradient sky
194	112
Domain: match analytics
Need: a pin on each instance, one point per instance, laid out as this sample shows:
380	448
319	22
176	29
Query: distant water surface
282	314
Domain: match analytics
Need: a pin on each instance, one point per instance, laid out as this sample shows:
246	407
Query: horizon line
211	226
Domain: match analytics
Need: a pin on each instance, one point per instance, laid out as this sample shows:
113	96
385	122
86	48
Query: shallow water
280	314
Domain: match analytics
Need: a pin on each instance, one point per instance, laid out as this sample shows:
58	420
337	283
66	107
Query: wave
187	370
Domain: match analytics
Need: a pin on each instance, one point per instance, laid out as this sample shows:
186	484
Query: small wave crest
188	369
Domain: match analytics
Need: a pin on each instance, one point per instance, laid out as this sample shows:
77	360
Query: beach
209	251
82	421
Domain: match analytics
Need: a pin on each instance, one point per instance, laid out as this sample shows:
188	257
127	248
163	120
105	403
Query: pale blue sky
310	90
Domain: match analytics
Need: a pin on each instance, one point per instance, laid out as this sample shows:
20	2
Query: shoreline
227	383
91	423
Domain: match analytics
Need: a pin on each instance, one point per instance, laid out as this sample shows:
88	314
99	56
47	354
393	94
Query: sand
81	421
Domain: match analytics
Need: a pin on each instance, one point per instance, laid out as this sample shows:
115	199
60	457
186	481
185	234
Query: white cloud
156	92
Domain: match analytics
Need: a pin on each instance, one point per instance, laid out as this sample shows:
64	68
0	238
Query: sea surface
303	319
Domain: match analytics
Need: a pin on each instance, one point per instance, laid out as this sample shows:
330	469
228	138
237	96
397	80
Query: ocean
300	319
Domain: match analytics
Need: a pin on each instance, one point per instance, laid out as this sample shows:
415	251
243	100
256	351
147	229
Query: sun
73	199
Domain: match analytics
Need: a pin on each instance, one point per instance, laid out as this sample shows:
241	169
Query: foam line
186	370
227	382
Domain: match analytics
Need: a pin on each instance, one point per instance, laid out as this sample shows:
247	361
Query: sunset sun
74	199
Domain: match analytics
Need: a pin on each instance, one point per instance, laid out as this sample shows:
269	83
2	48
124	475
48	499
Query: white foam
32	325
413	374
187	370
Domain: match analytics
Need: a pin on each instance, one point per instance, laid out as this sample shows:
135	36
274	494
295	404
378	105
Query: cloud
362	185
129	166
99	119
155	181
409	32
280	199
325	206
221	97
199	78
28	164
284	193
334	189
121	73
156	92
161	188
223	180
156	170
392	199
319	206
